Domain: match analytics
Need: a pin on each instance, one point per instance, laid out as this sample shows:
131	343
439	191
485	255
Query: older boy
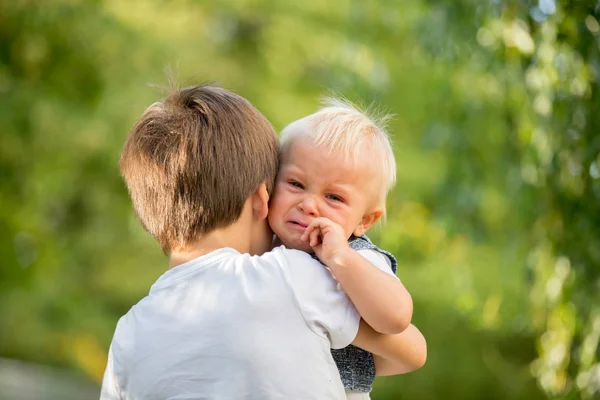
220	323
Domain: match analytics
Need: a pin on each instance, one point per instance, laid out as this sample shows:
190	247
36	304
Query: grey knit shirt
356	366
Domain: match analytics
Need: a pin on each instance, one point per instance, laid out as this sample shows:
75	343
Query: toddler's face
315	183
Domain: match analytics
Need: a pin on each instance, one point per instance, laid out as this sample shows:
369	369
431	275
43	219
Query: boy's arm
381	299
393	354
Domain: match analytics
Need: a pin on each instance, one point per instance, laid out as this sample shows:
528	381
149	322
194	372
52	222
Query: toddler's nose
308	206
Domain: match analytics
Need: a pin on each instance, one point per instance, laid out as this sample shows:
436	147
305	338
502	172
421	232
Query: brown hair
192	160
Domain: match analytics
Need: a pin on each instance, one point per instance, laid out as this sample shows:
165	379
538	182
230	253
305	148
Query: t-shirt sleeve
378	260
110	385
325	307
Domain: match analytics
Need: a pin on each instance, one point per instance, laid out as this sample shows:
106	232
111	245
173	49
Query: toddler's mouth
298	224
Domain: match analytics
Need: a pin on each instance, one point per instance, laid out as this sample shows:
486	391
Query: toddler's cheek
273	218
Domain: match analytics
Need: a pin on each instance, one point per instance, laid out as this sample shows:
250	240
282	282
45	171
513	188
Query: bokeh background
495	219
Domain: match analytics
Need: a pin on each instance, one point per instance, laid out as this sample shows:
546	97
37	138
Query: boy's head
337	163
192	160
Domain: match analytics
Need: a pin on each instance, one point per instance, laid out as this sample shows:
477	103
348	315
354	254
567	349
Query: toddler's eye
296	184
334	197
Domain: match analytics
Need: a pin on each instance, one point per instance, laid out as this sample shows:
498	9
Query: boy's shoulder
294	264
288	254
291	259
281	248
302	268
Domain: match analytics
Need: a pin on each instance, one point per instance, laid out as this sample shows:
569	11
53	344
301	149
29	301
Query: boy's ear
367	220
260	202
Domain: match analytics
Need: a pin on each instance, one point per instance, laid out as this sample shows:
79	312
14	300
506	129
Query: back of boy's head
344	129
192	160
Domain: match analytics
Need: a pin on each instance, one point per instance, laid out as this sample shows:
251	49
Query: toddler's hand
326	238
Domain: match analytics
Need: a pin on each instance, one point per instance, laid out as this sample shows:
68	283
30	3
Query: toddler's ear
260	202
367	220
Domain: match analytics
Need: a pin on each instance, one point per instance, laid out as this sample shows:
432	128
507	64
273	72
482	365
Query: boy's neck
249	234
235	236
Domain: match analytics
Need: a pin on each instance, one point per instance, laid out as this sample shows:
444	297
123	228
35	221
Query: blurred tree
541	64
561	160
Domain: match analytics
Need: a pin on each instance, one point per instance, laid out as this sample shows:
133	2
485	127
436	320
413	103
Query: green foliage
495	218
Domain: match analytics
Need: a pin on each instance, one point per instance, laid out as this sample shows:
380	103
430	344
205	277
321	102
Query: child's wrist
342	258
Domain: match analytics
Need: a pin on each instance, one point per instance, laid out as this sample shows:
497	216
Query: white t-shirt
233	326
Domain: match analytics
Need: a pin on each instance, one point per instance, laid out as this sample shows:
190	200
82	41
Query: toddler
337	166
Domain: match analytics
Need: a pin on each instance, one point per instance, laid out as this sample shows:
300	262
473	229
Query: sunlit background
495	219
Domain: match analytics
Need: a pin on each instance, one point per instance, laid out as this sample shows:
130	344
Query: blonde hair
343	128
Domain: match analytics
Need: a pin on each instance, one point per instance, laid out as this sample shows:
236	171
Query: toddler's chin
295	245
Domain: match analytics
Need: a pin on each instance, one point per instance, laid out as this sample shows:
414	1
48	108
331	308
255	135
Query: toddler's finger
314	237
307	231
